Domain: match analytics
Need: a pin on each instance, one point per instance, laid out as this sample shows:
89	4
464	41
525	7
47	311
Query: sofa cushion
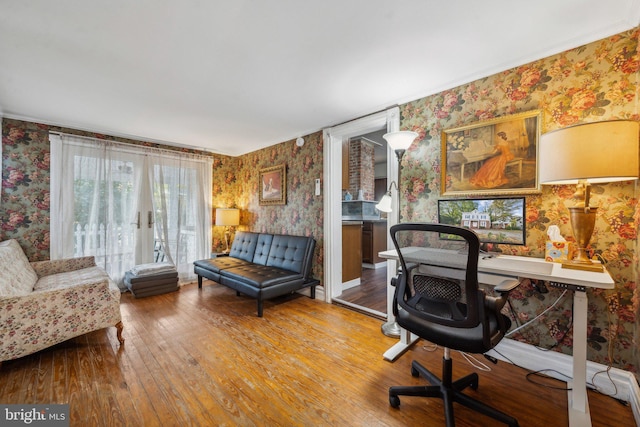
244	245
220	263
288	252
263	247
17	277
67	279
260	276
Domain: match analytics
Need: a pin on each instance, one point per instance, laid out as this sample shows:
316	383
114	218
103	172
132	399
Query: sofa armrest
47	268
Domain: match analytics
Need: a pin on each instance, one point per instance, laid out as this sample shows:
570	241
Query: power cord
531	374
473	361
511	332
564	334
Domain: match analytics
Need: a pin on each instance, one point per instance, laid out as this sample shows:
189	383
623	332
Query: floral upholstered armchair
47	302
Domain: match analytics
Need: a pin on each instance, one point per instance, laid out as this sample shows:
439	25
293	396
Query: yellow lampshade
227	217
596	152
585	154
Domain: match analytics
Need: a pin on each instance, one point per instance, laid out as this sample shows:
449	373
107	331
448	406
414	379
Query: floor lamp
399	143
227	217
588	154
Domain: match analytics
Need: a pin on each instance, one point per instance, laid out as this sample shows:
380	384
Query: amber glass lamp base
583	221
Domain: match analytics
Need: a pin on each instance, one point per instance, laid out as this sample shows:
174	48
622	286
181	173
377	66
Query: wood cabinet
374	240
351	250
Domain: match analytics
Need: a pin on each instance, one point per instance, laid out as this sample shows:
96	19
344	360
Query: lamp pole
399	142
391	327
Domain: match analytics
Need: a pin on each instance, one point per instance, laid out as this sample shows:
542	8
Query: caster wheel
414	372
474	384
394	401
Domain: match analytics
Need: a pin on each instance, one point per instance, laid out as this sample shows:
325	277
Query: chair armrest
503	288
47	268
507	285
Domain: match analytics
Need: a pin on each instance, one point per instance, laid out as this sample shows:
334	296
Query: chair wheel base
448	390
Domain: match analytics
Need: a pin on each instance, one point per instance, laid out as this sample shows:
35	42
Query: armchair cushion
18	277
85	276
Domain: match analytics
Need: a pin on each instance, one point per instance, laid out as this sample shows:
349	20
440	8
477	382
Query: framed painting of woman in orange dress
497	156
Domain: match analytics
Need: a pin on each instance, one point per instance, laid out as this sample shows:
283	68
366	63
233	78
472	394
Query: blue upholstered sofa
262	266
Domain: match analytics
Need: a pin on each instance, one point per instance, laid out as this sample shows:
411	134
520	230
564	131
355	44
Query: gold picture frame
492	157
273	185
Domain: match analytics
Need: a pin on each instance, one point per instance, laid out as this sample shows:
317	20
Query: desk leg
578	404
406	340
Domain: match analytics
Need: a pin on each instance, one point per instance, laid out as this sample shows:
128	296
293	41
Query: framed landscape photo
497	156
273	185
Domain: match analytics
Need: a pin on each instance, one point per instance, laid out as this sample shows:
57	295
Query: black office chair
437	298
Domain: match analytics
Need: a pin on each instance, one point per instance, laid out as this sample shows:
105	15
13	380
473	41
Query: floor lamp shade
400	140
585	154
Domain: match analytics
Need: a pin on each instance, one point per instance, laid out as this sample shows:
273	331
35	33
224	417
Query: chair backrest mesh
436	287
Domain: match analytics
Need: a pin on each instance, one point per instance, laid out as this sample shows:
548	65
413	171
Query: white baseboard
351	284
622	385
375	266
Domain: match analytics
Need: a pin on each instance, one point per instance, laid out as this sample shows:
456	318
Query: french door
127	206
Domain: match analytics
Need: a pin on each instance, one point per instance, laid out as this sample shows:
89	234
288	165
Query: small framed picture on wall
273	185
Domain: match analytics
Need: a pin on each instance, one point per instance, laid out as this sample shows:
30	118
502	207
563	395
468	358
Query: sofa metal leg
119	328
313	292
199	282
259	307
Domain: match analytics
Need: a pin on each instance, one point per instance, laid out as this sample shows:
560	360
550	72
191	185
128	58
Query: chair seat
465	339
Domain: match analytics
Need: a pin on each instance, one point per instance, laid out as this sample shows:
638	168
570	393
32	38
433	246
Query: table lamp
585	154
227	217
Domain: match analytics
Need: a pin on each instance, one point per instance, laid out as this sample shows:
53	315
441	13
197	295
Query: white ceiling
235	76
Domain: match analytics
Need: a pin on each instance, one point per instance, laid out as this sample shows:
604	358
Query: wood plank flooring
203	358
371	292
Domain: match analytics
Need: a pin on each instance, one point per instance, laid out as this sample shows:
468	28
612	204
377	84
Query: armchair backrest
438	281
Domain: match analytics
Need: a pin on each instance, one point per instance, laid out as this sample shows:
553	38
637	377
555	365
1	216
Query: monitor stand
487	250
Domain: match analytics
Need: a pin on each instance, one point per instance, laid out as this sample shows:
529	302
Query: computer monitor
499	220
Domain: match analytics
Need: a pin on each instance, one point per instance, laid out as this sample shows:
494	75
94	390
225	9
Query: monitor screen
495	220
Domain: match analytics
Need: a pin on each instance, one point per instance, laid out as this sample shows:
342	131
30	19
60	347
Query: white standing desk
491	271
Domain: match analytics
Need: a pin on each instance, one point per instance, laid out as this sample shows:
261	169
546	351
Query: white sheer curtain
100	191
181	189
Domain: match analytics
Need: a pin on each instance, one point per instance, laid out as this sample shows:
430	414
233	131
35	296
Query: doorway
364	228
333	139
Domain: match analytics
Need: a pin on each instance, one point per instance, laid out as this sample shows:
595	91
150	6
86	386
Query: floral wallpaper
598	81
591	83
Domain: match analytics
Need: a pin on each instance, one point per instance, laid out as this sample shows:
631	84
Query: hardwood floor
202	357
372	291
